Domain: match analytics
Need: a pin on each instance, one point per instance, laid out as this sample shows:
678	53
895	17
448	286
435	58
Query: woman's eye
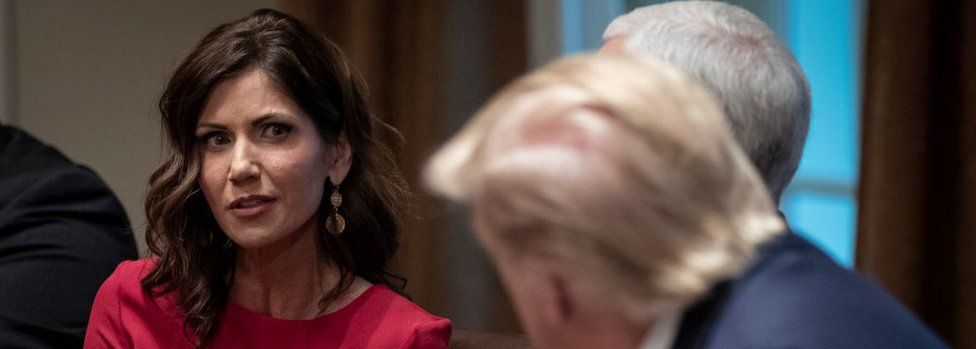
275	131
214	140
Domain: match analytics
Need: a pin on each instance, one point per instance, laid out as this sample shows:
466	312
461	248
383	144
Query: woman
621	213
274	216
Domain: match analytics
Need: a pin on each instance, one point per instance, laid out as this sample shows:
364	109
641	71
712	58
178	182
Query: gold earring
335	224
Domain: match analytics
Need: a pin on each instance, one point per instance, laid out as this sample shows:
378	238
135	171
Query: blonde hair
633	184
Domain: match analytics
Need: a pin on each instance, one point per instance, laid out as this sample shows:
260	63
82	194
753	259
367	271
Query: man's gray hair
748	68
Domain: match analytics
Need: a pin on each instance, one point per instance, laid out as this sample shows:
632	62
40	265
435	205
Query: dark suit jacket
62	232
794	296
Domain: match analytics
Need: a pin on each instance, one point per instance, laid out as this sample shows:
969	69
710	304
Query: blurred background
887	183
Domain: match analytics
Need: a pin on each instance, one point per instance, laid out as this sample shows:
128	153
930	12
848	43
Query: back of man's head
748	68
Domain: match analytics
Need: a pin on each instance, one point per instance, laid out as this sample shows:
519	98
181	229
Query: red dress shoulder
124	316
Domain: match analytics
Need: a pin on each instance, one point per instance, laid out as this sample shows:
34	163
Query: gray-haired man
793	295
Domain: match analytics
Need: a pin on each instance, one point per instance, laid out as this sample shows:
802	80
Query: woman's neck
285	280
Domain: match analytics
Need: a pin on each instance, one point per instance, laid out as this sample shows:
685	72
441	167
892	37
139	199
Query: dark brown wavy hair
195	257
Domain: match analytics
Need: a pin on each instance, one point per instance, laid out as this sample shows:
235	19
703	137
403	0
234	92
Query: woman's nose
244	166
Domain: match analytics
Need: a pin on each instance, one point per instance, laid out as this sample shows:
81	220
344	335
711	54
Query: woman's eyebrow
267	117
264	118
211	125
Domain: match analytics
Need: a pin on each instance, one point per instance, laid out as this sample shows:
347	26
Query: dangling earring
335	224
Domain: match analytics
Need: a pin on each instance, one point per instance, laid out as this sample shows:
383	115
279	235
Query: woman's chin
254	240
258	238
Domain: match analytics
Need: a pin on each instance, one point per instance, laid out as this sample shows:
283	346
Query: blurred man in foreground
621	213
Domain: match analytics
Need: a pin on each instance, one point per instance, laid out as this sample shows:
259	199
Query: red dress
124	316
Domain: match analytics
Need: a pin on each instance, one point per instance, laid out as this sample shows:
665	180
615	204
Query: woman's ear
341	160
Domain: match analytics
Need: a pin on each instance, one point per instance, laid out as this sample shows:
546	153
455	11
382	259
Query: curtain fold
917	195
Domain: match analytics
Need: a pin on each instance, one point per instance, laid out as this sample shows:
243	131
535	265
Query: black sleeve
61	235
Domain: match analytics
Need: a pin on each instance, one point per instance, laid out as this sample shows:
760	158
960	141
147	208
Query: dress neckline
238	312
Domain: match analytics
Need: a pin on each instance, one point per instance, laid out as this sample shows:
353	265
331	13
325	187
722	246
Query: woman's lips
251	206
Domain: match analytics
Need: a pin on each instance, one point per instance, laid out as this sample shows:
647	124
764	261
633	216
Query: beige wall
89	73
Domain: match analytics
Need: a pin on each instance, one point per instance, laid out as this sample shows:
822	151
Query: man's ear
565	303
560	304
341	160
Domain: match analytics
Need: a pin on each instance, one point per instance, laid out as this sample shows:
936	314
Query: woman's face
264	164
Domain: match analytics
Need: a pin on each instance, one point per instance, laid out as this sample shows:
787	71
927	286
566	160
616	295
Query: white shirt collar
664	331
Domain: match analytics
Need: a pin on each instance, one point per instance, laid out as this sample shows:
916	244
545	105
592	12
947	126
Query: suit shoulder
796	295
